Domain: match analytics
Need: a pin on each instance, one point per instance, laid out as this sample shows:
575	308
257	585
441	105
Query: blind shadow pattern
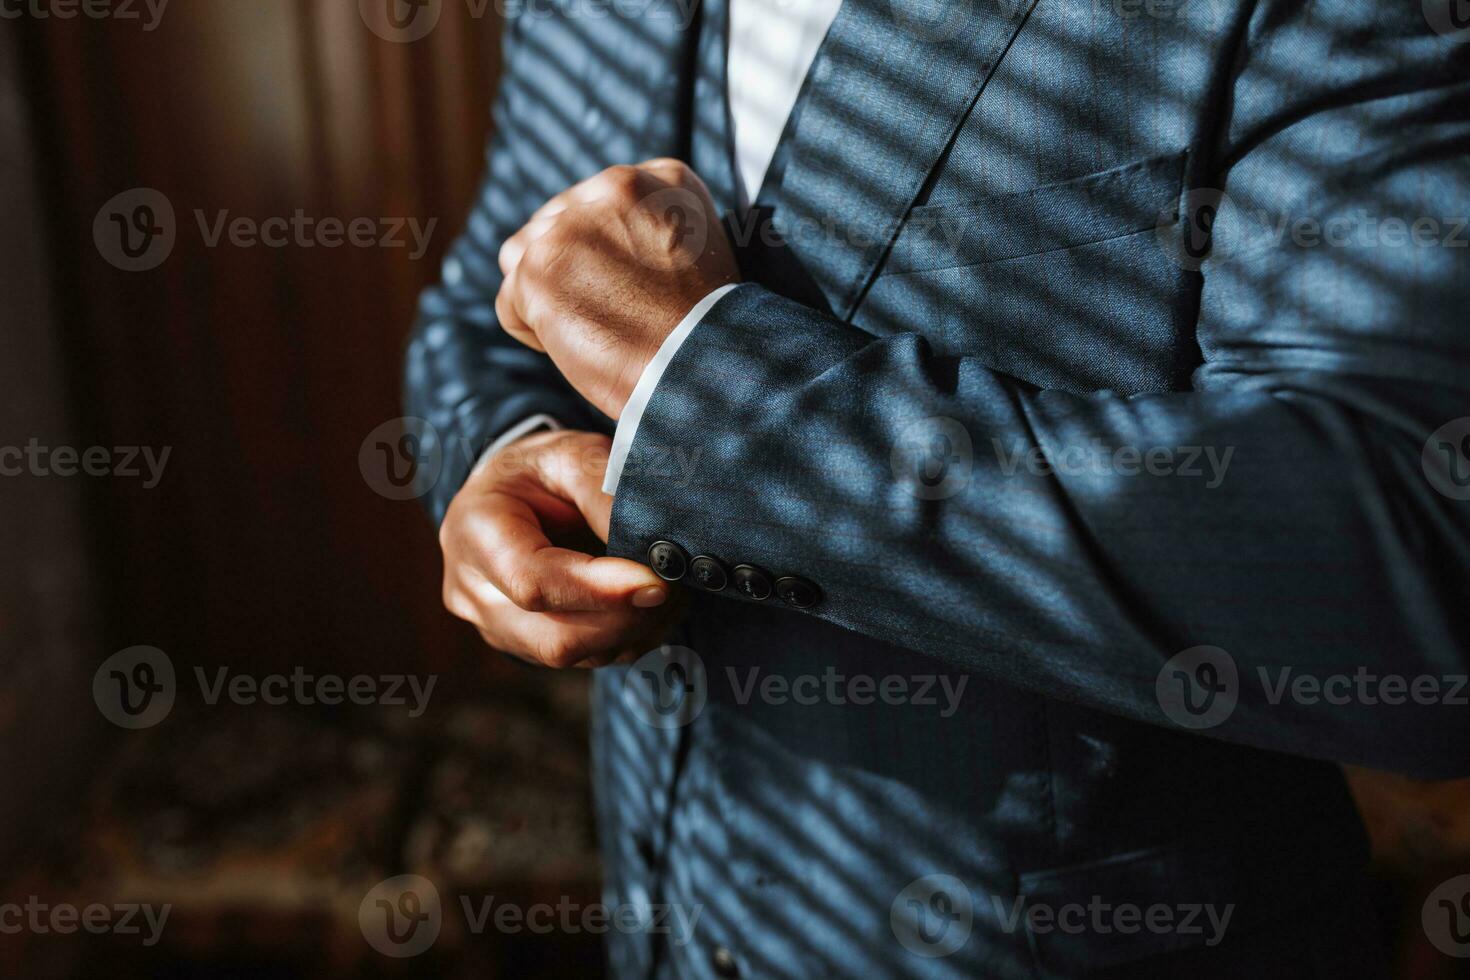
1042	230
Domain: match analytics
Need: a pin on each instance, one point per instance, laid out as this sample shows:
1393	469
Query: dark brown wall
263	369
47	629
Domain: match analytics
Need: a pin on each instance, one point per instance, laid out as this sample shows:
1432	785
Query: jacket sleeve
464	375
1301	509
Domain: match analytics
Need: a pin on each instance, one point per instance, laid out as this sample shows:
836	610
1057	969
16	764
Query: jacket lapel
891	85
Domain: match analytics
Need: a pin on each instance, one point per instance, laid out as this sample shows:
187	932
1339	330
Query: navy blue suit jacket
990	391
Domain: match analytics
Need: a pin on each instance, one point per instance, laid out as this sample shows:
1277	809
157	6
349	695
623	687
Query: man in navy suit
1033	439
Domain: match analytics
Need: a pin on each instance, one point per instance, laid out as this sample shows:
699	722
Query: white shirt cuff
633	411
523	428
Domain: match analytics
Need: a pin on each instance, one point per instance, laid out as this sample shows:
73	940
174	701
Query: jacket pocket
1102	206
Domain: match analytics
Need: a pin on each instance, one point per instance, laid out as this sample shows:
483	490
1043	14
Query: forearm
1285	520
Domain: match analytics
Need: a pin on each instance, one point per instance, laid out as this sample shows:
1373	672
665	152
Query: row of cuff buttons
671	563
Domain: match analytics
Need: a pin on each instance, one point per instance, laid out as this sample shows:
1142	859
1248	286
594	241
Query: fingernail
649	596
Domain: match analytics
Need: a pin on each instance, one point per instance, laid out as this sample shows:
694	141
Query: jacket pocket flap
1095	208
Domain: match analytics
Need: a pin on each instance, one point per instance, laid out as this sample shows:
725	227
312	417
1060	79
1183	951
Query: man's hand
604	272
528	596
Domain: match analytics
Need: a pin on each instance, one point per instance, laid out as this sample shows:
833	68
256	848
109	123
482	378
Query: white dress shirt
772	44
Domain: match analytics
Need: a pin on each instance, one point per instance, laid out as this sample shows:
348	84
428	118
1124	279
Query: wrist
561	453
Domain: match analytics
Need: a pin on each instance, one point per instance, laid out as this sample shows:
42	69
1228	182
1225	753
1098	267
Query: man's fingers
555	579
578	479
520	562
513	249
561	640
671	171
508	313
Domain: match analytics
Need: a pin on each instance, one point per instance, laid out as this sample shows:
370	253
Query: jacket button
724	962
752	582
797	592
668	560
709	573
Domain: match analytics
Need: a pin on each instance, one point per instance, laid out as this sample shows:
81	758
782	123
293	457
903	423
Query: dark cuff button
798	592
752	582
668	560
709	573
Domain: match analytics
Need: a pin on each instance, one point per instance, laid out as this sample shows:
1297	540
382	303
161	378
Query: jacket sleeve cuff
527	426
642	392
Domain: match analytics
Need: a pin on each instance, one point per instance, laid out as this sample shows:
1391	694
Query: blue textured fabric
977	222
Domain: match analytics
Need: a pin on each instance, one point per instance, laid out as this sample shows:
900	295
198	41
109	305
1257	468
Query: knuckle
621	180
669	168
455	602
564	650
523	587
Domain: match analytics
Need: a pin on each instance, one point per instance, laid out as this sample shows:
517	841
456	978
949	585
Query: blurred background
176	295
